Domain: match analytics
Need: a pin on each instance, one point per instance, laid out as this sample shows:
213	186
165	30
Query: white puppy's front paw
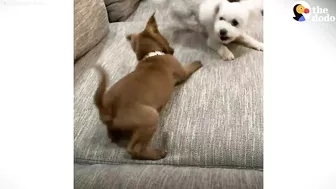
259	47
227	56
225	53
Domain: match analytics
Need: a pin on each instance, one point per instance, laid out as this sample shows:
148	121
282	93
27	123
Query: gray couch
212	126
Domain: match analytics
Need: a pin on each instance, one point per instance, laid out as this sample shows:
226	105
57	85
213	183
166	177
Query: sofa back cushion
120	10
90	25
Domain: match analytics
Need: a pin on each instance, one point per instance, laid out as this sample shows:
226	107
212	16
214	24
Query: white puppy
225	22
222	21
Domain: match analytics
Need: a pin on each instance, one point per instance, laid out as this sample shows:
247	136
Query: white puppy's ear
216	10
208	11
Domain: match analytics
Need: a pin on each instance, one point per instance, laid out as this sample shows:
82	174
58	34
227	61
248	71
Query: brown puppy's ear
171	51
168	50
129	37
151	24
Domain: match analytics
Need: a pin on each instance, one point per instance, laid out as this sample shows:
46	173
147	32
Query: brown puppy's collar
155	53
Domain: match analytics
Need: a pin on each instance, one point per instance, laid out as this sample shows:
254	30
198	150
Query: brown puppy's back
152	84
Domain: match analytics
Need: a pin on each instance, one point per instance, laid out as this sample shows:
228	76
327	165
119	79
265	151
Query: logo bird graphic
298	12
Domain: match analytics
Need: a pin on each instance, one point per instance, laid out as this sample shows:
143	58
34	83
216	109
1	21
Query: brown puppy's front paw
189	69
199	63
196	65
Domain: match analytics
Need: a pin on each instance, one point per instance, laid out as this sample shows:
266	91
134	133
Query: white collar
151	54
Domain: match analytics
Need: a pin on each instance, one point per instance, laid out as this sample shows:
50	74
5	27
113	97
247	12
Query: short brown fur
133	103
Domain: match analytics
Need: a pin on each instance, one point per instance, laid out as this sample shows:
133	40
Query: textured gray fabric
214	119
120	10
90	25
162	9
147	8
164	177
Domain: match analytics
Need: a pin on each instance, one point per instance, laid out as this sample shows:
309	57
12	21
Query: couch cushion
214	119
161	8
164	177
147	8
120	10
90	25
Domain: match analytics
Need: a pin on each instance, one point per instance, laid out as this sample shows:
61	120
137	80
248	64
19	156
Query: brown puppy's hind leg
139	147
114	135
142	120
188	70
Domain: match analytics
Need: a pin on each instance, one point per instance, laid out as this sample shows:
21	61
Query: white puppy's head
230	20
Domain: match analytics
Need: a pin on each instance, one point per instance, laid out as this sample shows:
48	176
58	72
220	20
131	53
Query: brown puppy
134	102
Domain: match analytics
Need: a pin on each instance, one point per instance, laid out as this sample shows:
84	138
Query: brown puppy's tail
104	113
98	96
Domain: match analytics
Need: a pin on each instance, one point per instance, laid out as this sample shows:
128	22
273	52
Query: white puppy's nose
223	32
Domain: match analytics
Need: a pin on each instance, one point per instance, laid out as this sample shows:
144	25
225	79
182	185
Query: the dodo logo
302	12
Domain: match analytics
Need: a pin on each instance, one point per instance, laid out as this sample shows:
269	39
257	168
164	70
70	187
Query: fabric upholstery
90	25
214	119
212	127
164	177
120	10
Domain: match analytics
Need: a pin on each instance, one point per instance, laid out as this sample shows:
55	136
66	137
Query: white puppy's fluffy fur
223	22
217	16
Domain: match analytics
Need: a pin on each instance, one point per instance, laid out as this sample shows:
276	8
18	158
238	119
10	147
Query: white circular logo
301	11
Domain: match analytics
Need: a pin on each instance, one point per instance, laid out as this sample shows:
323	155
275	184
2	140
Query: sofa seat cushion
213	119
164	177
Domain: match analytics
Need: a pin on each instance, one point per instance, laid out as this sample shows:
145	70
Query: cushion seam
84	161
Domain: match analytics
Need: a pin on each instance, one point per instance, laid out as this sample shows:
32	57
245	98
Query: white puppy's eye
234	22
221	18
